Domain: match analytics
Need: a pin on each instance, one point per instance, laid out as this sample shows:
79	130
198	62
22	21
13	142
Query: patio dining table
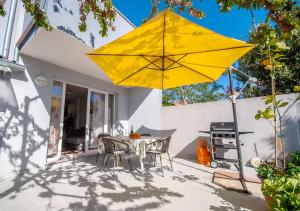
138	146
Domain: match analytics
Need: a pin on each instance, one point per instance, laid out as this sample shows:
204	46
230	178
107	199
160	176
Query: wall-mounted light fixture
41	80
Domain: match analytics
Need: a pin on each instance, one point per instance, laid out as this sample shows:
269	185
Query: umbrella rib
151	62
152	68
119	54
220	49
167	68
204	65
135	72
171	68
193	70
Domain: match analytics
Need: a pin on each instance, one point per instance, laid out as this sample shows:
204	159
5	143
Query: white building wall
25	131
18	27
65	16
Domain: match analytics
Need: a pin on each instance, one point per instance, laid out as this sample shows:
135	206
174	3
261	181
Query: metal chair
100	148
161	147
111	149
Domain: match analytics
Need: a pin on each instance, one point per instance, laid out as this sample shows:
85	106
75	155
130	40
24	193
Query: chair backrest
165	144
102	135
109	146
100	142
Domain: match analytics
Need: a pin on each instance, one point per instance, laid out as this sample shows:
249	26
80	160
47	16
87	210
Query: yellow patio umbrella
168	51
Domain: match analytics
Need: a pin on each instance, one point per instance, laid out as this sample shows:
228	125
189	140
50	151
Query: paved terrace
80	185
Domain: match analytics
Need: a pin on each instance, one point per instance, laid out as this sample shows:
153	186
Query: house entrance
78	116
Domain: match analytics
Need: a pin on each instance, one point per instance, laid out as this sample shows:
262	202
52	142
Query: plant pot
268	200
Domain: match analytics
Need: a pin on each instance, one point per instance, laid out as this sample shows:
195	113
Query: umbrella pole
238	142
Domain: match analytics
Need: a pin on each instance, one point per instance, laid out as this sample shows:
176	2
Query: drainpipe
9	29
16	55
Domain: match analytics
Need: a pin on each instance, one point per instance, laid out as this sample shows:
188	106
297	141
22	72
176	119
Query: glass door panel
111	112
55	119
96	118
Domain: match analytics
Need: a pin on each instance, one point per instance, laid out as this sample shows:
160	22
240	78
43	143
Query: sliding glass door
97	115
56	121
100	117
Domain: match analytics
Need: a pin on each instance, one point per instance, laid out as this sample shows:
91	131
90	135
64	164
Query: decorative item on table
131	130
134	136
203	153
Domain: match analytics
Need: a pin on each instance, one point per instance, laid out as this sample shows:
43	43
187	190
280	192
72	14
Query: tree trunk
183	97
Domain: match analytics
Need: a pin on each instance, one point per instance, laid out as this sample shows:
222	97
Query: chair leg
170	161
161	166
130	164
154	160
115	160
97	157
105	158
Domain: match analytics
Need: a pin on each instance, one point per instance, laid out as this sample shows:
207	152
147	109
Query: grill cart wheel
214	164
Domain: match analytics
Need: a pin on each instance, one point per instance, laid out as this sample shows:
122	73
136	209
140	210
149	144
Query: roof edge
125	18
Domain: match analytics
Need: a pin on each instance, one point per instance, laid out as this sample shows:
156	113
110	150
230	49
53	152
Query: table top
135	139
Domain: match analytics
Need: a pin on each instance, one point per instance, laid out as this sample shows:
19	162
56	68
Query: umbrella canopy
168	51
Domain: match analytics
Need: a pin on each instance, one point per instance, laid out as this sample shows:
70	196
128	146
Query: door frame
87	128
90	89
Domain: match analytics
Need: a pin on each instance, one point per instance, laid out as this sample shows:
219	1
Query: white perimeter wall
144	110
187	120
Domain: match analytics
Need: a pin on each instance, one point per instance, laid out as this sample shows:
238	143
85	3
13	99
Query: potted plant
268	170
281	188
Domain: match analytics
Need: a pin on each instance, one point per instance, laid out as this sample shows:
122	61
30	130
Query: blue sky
235	24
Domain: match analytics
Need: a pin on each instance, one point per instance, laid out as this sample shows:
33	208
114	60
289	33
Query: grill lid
222	126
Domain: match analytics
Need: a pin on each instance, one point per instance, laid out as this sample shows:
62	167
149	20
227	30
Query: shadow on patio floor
80	185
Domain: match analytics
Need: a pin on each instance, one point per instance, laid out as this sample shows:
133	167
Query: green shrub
284	191
295	158
268	170
282	186
294	164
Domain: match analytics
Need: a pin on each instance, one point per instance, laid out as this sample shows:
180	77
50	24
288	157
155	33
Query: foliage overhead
102	10
195	93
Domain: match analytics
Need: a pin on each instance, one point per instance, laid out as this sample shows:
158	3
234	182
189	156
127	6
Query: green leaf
258	116
268	114
269	99
297	88
277	55
281	45
283	104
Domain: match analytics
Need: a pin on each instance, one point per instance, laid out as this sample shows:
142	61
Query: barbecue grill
226	130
